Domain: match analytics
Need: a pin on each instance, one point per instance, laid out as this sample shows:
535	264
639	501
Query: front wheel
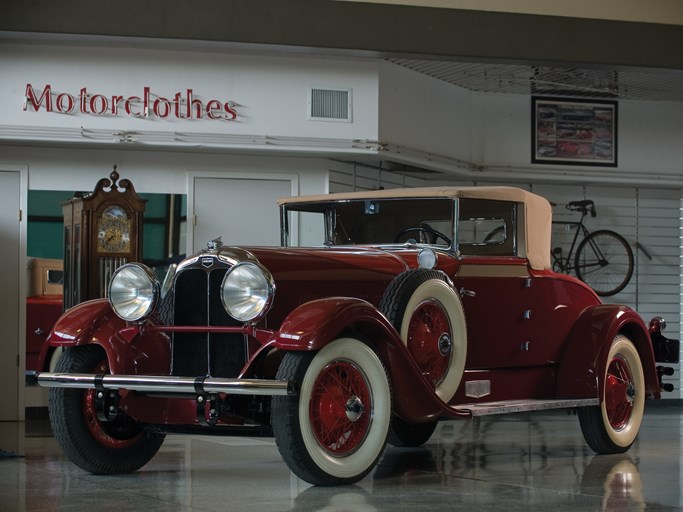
100	447
612	426
604	261
335	430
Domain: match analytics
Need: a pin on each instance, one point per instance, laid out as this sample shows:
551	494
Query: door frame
20	390
193	175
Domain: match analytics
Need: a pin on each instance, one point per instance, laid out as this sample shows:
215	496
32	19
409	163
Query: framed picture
573	131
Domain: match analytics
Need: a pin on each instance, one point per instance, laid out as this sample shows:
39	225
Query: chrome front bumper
192	386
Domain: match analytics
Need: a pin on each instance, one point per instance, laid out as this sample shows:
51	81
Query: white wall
152	171
649	135
422	113
441	125
270	92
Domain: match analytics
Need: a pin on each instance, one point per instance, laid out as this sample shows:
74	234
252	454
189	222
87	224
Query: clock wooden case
102	231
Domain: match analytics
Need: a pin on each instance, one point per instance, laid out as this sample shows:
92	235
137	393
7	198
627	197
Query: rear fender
585	357
128	351
313	325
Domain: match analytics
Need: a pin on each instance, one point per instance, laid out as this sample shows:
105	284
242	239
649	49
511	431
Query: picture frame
574	131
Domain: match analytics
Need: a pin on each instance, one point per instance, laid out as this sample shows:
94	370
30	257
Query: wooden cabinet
102	231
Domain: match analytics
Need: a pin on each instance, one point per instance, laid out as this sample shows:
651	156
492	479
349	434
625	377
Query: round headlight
247	291
133	291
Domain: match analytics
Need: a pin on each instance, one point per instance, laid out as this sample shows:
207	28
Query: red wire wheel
340	408
115	434
333	431
612	426
619	392
121	445
429	340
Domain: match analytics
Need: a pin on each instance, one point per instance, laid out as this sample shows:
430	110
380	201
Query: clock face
113	231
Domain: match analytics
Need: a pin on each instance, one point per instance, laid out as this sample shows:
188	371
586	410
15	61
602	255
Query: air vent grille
329	104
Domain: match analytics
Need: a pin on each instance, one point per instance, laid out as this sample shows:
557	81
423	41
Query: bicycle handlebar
582	206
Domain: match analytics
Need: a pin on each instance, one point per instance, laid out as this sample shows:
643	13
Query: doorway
242	211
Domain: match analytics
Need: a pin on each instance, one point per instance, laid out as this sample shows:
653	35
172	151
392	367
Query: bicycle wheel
604	261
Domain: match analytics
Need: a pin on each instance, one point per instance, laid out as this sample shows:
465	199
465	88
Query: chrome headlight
133	292
247	291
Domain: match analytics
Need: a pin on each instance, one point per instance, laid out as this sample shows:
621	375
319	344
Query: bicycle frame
561	263
565	265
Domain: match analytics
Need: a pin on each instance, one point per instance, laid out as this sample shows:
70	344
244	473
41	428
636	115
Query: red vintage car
382	313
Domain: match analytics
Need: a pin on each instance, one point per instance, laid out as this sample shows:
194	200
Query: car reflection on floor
498	463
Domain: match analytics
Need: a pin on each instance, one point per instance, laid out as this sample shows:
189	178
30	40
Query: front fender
78	324
128	351
585	356
313	325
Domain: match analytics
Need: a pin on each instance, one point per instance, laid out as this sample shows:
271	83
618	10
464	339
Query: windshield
371	222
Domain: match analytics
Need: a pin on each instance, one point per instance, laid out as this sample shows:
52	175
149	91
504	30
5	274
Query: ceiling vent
329	104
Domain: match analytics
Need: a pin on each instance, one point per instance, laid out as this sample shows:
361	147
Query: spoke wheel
429	336
335	430
338	408
100	447
116	434
429	317
612	426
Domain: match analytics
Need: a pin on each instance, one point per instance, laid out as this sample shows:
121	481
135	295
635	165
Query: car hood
305	274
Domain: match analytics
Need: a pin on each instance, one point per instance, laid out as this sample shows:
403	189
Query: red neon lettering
145	101
37	103
230	111
83	100
115	100
212	107
182	106
103	104
65	98
194	104
176	106
129	102
158	104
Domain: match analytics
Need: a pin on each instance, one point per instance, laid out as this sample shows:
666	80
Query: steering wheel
425	229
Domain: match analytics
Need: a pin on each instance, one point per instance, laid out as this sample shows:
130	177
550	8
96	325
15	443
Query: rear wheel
335	430
612	426
100	447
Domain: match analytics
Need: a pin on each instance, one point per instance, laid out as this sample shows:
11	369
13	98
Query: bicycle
603	260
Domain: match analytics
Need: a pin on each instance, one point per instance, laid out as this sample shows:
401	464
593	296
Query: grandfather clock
102	231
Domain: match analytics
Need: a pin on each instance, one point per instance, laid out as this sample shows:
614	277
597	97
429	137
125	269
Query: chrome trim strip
505	407
166	384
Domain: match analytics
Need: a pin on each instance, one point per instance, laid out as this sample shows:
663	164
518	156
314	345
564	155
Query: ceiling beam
358	28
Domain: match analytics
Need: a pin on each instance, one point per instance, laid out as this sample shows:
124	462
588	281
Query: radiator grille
197	302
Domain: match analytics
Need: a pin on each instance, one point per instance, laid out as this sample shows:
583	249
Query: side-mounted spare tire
427	313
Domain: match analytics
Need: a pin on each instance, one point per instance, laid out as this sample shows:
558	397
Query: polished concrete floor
518	462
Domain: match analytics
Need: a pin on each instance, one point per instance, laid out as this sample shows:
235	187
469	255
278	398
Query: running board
510	406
